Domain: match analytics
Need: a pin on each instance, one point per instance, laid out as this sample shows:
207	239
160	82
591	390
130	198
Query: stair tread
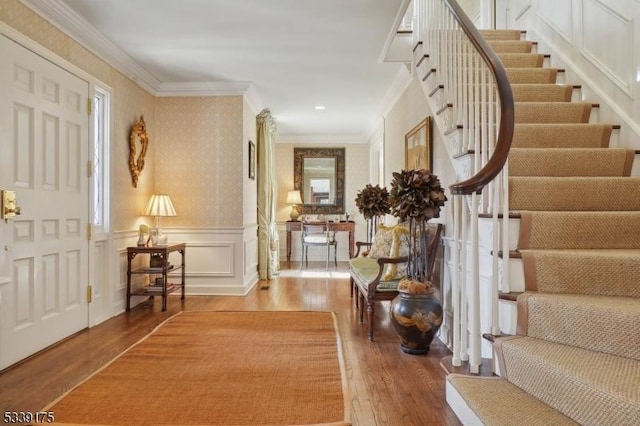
511	46
546	92
501	34
563	135
579	229
570	162
521	60
583	252
563	151
552	112
606	386
532	75
606	272
567	193
494	401
580	320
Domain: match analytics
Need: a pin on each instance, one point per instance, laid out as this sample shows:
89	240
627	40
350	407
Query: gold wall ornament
138	143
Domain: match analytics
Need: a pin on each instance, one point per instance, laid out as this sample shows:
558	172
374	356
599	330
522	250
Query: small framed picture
252	160
418	146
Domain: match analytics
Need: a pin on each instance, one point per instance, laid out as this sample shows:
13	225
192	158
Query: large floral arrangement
416	194
373	201
416	197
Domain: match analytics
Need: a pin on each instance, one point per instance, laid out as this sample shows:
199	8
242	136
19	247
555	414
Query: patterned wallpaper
250	191
410	108
201	163
129	101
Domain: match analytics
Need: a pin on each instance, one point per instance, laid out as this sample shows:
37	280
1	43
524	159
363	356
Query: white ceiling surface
297	53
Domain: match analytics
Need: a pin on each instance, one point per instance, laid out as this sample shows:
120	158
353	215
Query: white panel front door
43	158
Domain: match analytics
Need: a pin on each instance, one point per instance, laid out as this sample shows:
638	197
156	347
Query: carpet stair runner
606	272
565	135
511	46
570	162
576	356
552	112
542	92
574	193
532	75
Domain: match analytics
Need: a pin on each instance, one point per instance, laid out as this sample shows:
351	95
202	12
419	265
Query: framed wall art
252	160
418	146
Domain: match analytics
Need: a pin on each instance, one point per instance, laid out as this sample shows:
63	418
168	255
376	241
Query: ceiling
289	55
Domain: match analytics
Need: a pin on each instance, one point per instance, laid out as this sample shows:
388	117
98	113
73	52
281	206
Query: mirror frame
137	137
299	154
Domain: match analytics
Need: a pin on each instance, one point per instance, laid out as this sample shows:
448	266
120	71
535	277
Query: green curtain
268	245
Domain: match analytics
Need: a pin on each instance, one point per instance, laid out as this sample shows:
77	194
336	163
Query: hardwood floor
387	387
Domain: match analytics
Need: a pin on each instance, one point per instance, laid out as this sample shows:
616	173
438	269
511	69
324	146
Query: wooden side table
164	288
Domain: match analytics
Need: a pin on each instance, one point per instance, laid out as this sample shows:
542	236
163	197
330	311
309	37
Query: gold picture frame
418	147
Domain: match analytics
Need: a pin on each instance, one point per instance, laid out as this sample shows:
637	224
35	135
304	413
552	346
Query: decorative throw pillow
399	248
381	245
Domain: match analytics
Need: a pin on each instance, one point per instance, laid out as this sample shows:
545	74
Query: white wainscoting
596	42
617	63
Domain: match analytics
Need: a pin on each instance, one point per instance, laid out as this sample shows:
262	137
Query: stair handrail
466	83
505	95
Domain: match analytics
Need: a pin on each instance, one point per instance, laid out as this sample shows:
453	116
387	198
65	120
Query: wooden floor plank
387	386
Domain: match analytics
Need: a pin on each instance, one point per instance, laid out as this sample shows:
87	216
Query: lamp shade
160	205
293	197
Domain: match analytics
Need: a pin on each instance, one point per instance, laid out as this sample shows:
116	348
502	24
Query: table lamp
159	205
293	198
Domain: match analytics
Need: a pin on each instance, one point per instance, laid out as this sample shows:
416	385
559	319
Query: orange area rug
220	368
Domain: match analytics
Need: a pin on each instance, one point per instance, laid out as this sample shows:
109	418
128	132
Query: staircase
575	358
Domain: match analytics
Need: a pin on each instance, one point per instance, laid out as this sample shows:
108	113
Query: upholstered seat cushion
365	269
316	239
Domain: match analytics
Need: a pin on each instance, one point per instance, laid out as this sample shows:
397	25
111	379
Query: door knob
9	209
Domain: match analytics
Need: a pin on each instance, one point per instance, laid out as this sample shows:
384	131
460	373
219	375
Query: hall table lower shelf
165	287
296	225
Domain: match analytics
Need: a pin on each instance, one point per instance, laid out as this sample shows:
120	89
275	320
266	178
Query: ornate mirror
318	173
138	142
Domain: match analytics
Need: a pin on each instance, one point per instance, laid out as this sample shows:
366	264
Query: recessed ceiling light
320	107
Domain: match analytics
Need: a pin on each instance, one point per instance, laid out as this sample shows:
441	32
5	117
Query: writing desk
349	227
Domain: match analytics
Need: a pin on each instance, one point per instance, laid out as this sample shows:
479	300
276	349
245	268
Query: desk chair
318	234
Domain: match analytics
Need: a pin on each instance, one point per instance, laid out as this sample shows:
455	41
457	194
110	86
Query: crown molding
69	22
77	28
214	88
